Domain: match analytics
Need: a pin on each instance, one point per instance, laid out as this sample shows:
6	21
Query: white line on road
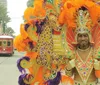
4	58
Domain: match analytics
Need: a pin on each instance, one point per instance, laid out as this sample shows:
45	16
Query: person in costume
83	40
83	71
64	53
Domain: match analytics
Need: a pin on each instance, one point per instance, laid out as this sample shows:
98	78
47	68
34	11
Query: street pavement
8	69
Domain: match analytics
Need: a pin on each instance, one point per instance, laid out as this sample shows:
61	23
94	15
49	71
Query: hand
96	64
69	67
71	64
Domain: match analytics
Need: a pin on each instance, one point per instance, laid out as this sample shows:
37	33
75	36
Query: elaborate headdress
84	22
84	15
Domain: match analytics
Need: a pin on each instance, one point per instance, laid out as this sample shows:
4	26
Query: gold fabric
88	83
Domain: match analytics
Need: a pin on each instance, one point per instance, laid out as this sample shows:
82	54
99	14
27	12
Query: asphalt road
8	70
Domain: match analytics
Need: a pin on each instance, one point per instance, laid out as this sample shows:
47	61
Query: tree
4	18
30	3
9	31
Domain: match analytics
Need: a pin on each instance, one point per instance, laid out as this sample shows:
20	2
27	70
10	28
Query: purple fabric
31	45
39	26
20	80
55	81
18	63
26	26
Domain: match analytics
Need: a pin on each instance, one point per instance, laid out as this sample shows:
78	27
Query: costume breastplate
84	68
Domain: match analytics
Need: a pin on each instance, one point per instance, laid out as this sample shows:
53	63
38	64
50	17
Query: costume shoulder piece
43	40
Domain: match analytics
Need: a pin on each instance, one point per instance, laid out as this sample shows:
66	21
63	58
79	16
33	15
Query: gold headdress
84	22
80	16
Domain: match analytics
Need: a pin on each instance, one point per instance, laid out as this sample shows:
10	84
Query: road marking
3	60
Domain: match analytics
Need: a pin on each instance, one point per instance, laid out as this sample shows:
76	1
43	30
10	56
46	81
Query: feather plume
21	81
56	80
19	66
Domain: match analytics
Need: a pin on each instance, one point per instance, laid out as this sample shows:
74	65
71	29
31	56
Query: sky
16	10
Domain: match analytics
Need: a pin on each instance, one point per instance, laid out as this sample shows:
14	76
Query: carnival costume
48	38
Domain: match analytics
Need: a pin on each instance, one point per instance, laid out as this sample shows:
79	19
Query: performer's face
83	40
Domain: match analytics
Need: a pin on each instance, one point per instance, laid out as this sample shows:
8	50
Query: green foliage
3	14
50	1
9	31
30	3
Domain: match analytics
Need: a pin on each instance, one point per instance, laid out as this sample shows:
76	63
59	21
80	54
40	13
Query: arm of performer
69	67
97	70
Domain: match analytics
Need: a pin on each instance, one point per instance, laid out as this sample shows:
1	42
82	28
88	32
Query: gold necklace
84	50
90	51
